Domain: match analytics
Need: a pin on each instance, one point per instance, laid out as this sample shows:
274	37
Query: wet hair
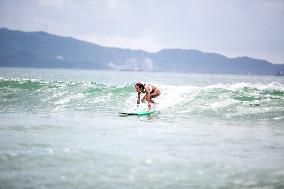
140	85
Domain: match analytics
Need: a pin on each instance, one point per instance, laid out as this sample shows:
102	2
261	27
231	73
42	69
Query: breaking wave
237	100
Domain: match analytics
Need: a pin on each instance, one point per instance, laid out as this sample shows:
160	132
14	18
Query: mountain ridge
43	50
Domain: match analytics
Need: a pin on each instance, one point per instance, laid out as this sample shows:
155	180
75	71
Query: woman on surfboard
150	91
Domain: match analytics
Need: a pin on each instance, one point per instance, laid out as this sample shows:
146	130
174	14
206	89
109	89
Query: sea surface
61	129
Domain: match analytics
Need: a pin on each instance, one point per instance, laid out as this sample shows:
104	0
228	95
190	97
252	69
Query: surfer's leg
152	101
155	94
146	98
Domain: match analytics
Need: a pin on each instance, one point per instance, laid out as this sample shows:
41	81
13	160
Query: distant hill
43	50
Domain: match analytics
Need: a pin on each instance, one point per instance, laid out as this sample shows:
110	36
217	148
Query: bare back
150	88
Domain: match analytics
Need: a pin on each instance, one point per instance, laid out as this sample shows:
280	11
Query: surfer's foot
151	106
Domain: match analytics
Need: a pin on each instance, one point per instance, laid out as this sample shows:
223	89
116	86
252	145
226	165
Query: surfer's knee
143	99
155	94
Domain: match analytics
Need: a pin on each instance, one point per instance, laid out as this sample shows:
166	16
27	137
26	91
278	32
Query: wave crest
224	100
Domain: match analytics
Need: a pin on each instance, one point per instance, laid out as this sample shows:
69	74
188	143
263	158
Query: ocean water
61	129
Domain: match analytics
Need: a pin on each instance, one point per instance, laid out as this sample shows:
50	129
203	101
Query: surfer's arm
138	99
146	97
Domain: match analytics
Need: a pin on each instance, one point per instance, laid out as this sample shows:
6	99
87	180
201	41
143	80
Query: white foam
237	86
68	98
172	96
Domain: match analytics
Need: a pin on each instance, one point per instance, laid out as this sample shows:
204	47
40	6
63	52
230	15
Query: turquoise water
61	129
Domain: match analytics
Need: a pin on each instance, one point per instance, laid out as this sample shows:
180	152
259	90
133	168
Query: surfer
150	91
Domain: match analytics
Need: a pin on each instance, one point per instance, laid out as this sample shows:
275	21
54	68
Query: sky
234	28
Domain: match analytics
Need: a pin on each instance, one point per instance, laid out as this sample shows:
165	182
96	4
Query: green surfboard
140	113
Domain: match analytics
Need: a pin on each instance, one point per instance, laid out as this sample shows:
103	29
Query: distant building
133	64
147	65
59	58
281	73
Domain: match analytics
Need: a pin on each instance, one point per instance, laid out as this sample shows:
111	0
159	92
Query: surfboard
140	113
